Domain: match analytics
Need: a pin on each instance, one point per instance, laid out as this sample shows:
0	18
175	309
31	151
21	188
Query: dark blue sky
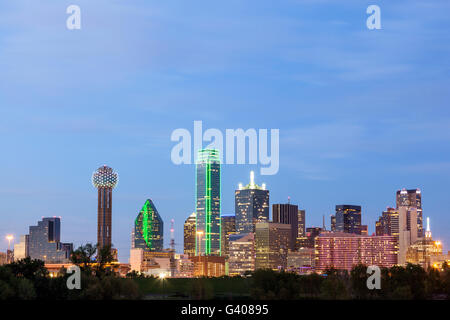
361	113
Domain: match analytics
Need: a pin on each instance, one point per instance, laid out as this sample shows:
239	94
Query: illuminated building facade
251	205
333	222
301	261
345	250
388	223
424	251
412	199
209	266
148	233
104	179
152	262
208	222
301	223
44	242
407	231
189	235
228	228
272	242
308	240
348	219
21	248
241	253
287	214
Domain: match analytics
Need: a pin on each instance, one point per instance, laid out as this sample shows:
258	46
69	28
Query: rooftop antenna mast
172	237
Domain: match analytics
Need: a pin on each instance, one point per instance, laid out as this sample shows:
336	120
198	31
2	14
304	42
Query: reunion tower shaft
104	179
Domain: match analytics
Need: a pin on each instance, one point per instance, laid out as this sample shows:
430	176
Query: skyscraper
104	179
348	219
228	228
241	253
412	199
189	235
272	242
21	248
208	222
301	223
251	205
407	231
44	242
333	222
388	223
148	233
287	214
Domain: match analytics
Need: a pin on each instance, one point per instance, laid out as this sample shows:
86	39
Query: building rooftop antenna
172	236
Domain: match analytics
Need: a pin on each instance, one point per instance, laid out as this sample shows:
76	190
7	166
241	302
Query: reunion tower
104	179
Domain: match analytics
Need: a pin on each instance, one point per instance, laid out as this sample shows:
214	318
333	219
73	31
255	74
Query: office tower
272	242
241	253
44	242
208	266
348	219
208	223
301	223
411	199
189	235
301	261
333	222
251	205
21	248
308	240
228	228
148	231
407	231
345	250
104	179
387	224
287	214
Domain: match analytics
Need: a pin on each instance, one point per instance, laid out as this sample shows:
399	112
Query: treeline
410	282
28	279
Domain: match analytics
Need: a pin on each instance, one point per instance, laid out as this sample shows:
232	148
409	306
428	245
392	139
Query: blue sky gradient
361	113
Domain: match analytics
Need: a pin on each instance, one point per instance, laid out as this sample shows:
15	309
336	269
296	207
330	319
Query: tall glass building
251	206
148	233
412	199
208	223
189	235
44	242
348	219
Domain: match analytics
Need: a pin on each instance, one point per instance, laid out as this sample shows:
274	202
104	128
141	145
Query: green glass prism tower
148	233
208	223
104	179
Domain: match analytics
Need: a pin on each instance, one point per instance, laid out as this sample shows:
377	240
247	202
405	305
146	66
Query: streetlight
162	276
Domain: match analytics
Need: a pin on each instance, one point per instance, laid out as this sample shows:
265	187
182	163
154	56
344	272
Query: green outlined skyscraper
208	223
148	229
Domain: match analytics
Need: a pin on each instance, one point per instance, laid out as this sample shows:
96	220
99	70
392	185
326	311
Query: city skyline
361	113
372	224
